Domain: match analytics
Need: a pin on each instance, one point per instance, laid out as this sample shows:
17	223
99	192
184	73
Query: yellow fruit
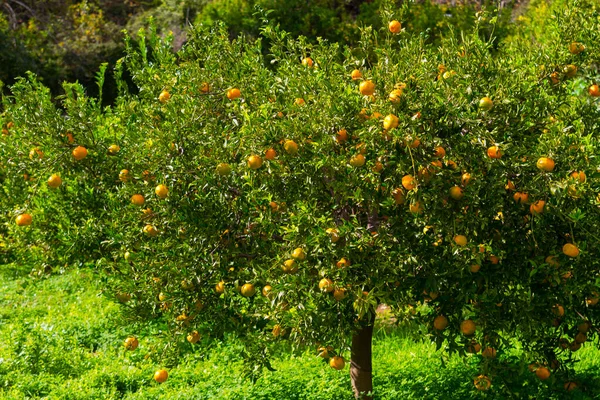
395	95
124	175
131	343
24	220
54	181
409	182
570	250
248	290
290	266
266	290
390	122
291	147
138	200
164	96
486	104
150	230
333	234
456	193
299	101
570	70
220	287
394	26
255	162
79	153
36	153
358	160
270	154
545	164
460	240
161	376
576	48
337	363
307	62
475	268
439	152
552	261
277	330
161	191
299	254
343	263
193	337
366	88
223	169
326	285
440	323
356	75
466	179
113	149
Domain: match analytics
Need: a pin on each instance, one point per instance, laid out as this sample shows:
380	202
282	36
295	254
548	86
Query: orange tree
284	198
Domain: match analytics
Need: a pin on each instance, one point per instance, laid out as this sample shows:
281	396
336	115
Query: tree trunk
361	370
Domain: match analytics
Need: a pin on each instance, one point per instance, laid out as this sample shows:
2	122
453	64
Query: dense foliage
458	183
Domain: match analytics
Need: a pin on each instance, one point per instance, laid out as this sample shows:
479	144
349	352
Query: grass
61	339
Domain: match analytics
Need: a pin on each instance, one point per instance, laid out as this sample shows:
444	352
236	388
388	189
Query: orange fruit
378	167
54	181
537	207
439	152
277	330
266	290
570	250
339	294
545	164
138	200
390	122
290	147
440	322
255	162
543	373
161	191
494	259
337	362
395	96
326	285
124	175
356	75
486	104
409	182
494	152
299	254
161	376
576	47
234	93
465	179
248	290
451	164
416	208
299	101
456	192
473	347
398	195
580	337
113	149
489	352
341	136
570	385
270	154
570	70
307	62
131	343
521	197
220	287
205	87
290	266
482	383
333	234
24	220
164	96
366	88
79	153
467	327
223	169
554	77
558	310
343	263
579	176
552	261
475	268
460	240
594	90
510	185
394	26
193	337
358	160
150	230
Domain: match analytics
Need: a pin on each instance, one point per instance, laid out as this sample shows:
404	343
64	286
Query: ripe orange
554	78
299	254
378	167
570	250
357	160
356	75
113	149
307	62
161	376
289	266
521	197
193	337
337	362
234	93
489	352
456	193
416	208
220	287
576	47
124	175
552	261
475	268
460	240
343	263
466	179
482	383
398	195
494	152
150	230
131	343
390	122
510	185
439	152
570	70
486	104
341	136
494	259
277	330
290	147
467	327
440	322
409	182
255	162
579	176
594	90
161	191
326	285
138	200
545	164
79	153
270	154
164	96
543	373
558	310
394	26
537	207
205	87
54	181
570	386
299	101
366	88
473	347
24	220
333	234
451	164
395	96
339	294
248	290
266	290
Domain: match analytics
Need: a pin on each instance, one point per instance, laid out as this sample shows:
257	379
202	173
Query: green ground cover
62	339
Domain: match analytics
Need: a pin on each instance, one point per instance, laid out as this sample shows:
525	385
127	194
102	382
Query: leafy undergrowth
62	339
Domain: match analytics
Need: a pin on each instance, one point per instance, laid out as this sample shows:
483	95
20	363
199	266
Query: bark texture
361	367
